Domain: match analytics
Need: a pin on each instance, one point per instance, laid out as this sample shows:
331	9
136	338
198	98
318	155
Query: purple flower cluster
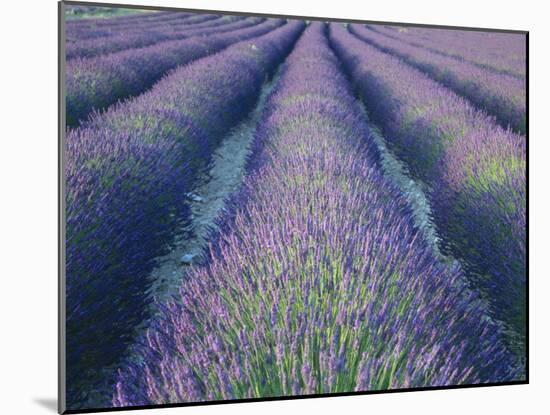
501	95
101	31
474	168
96	83
83	29
89	28
127	174
318	280
143	35
500	52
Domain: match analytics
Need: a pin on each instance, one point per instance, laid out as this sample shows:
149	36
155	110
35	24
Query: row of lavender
500	52
127	173
79	31
501	95
327	287
141	36
95	83
474	168
126	21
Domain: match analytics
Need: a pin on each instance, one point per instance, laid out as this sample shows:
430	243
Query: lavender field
266	207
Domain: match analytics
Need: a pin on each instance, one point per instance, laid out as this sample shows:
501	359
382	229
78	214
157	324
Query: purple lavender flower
315	152
501	95
127	175
474	169
95	83
499	52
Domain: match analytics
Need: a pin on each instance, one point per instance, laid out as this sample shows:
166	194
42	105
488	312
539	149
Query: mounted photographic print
260	207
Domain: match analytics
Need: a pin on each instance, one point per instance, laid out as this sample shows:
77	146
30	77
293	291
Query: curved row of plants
500	52
127	174
142	37
95	83
501	95
475	170
129	21
83	31
318	280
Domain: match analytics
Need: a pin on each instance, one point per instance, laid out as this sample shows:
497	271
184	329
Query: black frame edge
527	207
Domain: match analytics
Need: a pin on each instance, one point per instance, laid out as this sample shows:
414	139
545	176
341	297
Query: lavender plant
475	171
128	21
317	281
127	175
140	37
94	28
502	96
500	52
96	83
81	32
